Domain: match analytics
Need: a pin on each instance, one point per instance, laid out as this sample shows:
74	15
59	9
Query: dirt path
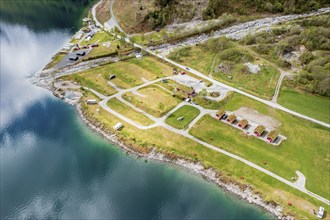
112	23
279	83
299	185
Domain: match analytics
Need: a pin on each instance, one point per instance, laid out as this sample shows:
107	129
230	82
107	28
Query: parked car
224	117
83	53
73	58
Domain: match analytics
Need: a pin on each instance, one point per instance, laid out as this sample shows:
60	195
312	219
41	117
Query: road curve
160	122
269	103
94	15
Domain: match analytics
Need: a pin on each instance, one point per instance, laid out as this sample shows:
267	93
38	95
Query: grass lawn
306	148
55	60
101	51
153	65
314	106
92	79
104	50
261	84
153	100
99	37
211	104
128	112
172	85
195	57
128	74
188	112
173	144
145	38
133	72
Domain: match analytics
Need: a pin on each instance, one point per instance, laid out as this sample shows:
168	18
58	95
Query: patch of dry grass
153	100
103	11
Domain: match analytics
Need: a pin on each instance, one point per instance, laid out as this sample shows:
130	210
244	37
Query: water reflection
23	53
52	166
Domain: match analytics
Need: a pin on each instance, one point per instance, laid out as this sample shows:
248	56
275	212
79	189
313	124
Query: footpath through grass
173	144
314	106
128	112
224	60
306	148
188	113
153	100
93	80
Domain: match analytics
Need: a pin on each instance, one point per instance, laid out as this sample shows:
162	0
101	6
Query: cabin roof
243	122
260	129
273	134
231	117
221	112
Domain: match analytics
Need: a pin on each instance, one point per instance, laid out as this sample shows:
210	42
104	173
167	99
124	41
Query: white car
320	212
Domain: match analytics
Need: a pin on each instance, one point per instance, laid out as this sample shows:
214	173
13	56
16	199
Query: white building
118	126
91	101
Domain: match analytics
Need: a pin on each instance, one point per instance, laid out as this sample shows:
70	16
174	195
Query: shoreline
241	192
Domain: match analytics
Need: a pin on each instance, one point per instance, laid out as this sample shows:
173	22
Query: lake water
53	166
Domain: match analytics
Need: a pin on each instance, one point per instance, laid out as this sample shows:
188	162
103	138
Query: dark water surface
52	166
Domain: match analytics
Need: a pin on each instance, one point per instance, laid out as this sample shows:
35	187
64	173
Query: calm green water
52	166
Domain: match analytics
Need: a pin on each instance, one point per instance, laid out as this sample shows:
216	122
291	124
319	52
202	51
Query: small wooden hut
272	136
231	118
243	123
220	114
259	130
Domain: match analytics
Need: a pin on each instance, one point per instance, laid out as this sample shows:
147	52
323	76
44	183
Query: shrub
236	55
306	57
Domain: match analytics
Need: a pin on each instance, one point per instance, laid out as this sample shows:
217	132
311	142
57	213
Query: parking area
66	61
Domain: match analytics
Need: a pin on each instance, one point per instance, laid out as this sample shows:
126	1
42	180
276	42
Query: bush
306	57
236	55
216	45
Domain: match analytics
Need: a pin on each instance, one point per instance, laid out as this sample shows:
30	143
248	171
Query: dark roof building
83	53
73	58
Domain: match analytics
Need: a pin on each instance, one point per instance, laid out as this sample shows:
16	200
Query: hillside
103	11
146	15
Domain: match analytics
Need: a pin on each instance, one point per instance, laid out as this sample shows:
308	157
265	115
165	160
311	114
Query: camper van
320	213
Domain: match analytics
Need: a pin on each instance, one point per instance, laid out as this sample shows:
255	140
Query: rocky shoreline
209	174
242	192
